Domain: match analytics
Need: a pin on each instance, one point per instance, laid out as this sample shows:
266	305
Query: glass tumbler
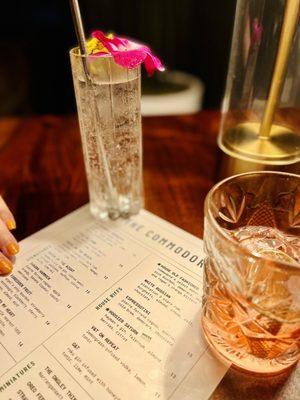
109	112
251	301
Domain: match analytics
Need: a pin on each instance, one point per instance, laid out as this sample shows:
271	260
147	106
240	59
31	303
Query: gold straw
289	27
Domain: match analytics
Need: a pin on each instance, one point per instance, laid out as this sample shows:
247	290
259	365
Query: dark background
35	36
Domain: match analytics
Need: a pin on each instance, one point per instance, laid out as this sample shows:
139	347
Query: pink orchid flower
127	53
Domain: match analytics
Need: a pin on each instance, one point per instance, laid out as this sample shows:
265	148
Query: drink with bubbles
110	125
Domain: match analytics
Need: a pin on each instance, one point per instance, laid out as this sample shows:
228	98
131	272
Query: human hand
8	245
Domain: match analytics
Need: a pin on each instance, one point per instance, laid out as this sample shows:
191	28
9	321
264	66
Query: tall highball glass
110	125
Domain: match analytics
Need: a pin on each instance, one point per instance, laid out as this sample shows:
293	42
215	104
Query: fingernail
5	267
12	248
10	223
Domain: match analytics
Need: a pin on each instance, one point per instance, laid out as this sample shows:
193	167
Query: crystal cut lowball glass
251	301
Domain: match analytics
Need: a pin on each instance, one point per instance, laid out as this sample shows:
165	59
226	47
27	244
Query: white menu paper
105	310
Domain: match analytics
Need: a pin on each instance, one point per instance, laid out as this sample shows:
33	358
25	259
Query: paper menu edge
57	221
171	225
143	212
190	389
83	213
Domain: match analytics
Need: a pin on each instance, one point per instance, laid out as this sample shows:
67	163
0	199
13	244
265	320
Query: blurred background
35	77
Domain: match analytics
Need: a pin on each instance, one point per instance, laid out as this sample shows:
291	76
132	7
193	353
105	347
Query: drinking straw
289	26
77	20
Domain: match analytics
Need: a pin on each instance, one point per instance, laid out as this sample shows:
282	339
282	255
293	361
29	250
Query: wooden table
42	179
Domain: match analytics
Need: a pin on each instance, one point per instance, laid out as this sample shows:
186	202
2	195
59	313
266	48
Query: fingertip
11	224
12	248
5	266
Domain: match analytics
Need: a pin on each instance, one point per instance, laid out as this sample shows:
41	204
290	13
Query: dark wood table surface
42	179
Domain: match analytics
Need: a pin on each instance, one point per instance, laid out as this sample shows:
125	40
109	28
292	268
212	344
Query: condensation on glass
110	125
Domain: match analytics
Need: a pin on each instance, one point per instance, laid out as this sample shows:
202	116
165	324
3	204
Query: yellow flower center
95	46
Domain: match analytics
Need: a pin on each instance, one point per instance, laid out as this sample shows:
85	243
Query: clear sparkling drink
110	124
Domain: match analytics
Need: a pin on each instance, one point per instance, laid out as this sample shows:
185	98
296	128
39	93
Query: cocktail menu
105	310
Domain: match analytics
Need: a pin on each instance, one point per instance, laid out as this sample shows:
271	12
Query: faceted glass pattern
251	301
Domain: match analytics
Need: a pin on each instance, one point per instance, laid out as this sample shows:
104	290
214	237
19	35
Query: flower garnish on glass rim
127	53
